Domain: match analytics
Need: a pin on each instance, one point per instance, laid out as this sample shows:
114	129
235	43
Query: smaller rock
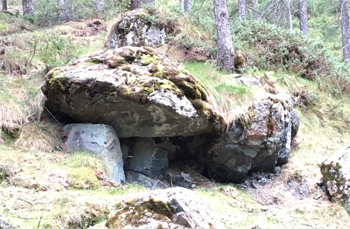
137	29
178	178
277	170
98	139
250	81
336	177
298	186
170	208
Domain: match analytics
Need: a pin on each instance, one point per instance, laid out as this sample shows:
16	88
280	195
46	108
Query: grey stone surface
182	106
137	29
101	140
147	158
336	177
169	208
257	144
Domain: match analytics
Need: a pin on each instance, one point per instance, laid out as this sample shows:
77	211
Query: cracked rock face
257	144
336	177
134	90
137	28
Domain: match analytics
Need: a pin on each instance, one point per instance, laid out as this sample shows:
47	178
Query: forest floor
37	196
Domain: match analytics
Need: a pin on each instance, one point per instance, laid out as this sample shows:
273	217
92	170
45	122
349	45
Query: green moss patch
83	178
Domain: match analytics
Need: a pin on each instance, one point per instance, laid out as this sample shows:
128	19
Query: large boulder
336	177
138	28
257	143
135	90
170	208
100	140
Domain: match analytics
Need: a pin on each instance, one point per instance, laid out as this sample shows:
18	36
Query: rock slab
134	90
101	140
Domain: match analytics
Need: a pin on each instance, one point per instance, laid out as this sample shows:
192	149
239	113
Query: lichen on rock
137	28
336	177
170	208
135	90
257	144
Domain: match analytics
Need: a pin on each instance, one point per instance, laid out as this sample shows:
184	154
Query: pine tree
225	59
138	3
303	17
28	6
4	5
242	9
181	5
344	12
187	6
255	8
63	10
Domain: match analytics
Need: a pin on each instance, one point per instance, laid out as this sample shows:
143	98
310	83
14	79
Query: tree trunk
4	5
344	8
290	19
255	9
100	5
181	5
138	3
225	60
242	9
187	6
63	12
303	17
28	6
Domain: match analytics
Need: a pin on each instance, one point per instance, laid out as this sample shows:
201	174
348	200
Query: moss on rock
83	178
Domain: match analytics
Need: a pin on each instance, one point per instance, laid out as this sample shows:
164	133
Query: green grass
230	99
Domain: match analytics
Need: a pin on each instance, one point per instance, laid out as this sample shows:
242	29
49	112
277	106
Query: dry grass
231	100
21	101
40	136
